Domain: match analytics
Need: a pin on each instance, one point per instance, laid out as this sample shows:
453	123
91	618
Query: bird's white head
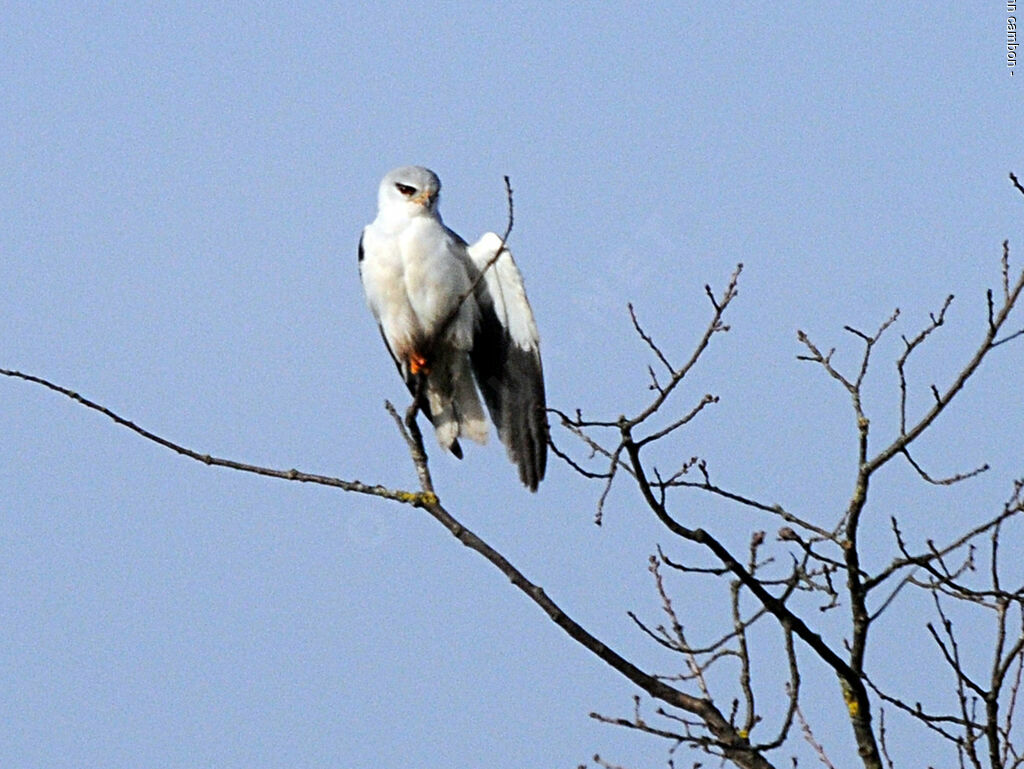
409	191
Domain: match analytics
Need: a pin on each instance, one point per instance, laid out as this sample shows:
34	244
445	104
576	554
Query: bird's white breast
414	274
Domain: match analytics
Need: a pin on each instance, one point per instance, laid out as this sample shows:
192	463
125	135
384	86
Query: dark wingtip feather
533	445
510	377
512	384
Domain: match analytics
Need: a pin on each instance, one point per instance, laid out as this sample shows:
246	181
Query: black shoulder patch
361	248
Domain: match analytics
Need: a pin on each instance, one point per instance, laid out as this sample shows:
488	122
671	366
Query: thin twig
1016	182
457	307
650	342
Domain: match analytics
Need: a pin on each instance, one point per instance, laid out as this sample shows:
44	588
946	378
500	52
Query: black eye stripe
405	189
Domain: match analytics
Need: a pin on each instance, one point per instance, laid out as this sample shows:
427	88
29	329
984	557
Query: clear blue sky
183	191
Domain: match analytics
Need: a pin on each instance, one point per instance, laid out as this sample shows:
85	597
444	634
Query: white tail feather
472	421
455	405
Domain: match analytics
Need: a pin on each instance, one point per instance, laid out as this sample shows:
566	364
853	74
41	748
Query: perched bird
450	313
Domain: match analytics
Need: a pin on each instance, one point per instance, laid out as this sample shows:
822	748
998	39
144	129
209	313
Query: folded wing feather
506	360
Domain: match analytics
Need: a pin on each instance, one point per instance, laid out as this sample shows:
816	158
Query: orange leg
418	364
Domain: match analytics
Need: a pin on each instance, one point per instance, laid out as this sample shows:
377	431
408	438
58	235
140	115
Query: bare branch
734	747
714	327
996	323
1016	183
936	723
944	481
725	736
776	509
417	499
410	431
809	736
685	419
1014	506
638	723
1008	338
770	602
650	342
1004	264
825	360
573	464
911	345
881	738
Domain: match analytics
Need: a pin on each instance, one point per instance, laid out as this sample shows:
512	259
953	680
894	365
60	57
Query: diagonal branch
1016	182
770	602
734	746
726	738
417	499
943	399
650	342
714	327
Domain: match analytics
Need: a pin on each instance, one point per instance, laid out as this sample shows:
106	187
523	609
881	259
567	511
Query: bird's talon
418	365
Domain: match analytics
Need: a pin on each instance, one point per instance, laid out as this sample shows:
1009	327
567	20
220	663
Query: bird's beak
424	198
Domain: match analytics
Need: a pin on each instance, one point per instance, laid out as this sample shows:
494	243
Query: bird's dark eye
405	189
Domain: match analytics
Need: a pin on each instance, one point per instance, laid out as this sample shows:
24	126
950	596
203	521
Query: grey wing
506	360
